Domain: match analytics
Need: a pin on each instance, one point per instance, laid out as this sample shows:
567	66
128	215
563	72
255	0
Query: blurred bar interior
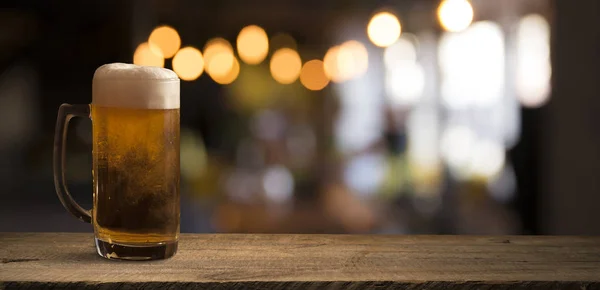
395	117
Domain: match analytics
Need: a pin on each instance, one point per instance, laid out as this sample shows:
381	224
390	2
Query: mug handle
65	113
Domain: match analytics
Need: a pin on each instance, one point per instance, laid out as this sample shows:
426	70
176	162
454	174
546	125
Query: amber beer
136	170
135	124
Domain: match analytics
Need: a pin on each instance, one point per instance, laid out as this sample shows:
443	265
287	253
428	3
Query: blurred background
385	117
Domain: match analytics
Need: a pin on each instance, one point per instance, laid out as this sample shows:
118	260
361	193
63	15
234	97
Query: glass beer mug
135	128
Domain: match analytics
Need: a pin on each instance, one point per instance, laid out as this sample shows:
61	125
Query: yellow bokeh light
330	64
283	40
313	75
353	59
215	45
285	65
218	58
188	63
384	29
252	44
220	64
231	75
145	55
347	61
166	39
455	15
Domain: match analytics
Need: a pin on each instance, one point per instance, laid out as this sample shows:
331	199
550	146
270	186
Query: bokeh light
455	15
472	66
405	83
470	156
402	50
252	44
353	59
283	40
221	64
360	122
330	64
278	184
384	29
313	75
365	173
285	65
533	61
145	55
487	159
405	77
166	39
456	145
215	45
230	76
218	58
188	63
422	125
346	61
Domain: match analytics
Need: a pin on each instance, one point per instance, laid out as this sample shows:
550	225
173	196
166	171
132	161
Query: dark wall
570	131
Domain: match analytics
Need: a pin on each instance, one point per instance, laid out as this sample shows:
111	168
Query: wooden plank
309	261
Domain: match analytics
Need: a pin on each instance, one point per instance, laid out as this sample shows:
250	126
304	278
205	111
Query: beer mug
135	129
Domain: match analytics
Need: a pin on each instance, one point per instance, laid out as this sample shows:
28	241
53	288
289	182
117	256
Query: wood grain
62	260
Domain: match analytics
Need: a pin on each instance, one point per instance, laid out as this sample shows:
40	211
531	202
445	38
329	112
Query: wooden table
253	261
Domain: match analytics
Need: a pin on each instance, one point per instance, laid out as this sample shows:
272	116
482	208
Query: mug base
115	251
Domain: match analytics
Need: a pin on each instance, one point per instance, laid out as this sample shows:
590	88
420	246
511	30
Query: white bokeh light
384	29
422	128
402	50
353	59
278	184
405	83
472	66
455	15
456	146
487	159
405	77
359	122
533	61
365	173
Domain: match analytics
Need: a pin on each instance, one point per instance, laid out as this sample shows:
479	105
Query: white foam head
132	86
